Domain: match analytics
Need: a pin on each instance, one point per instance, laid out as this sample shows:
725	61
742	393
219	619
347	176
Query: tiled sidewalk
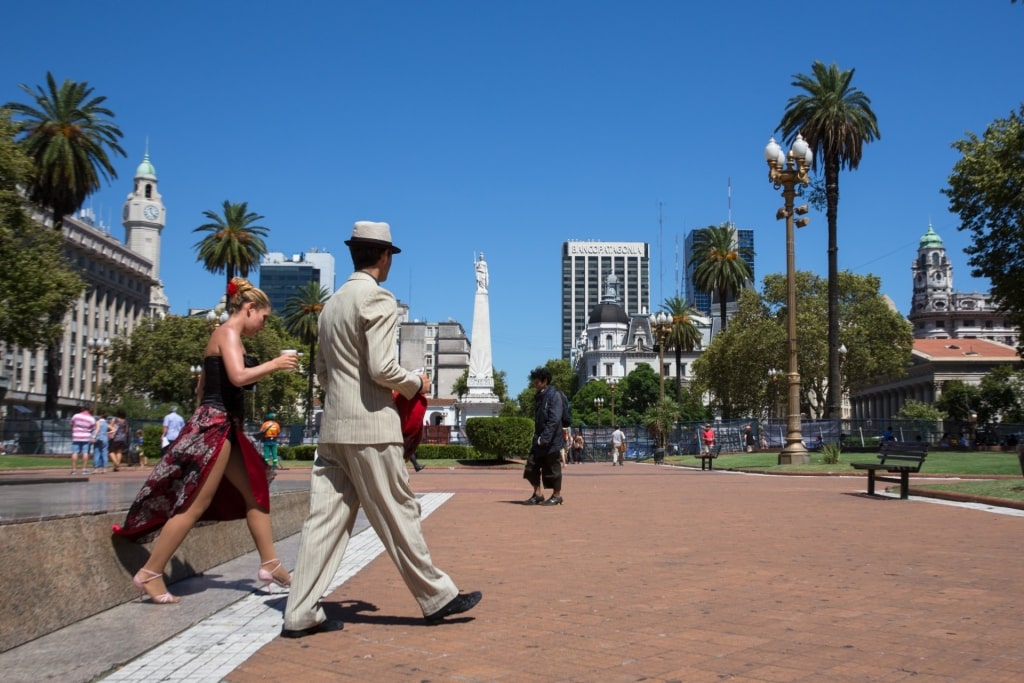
661	574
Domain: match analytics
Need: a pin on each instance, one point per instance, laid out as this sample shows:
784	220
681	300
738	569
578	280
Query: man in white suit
359	456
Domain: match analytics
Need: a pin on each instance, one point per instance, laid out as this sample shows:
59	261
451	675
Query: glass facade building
585	270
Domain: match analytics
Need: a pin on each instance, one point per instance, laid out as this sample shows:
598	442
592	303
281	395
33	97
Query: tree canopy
37	284
735	367
233	243
155	362
986	190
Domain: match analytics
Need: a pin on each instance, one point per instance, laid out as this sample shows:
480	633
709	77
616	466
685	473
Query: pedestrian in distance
82	426
211	470
359	461
118	438
100	443
270	430
618	446
173	424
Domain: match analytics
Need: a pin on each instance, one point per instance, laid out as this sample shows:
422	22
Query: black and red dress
175	481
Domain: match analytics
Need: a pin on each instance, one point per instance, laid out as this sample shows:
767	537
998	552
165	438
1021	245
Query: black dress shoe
457	605
553	500
322	627
534	500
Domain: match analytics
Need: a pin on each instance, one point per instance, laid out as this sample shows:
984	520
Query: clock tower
144	218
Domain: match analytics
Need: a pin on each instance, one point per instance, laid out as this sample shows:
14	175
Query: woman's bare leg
256	518
177	527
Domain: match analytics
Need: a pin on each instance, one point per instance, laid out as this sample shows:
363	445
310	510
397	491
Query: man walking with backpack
545	462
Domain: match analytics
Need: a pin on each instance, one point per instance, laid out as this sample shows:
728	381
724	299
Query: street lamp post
598	404
661	325
787	172
196	371
100	349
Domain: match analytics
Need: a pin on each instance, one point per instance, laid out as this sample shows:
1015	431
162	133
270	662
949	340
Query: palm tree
68	135
234	243
684	336
302	319
836	120
722	266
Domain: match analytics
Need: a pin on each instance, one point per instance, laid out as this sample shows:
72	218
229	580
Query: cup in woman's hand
291	353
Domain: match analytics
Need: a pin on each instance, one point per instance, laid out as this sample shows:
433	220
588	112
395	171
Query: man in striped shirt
82	425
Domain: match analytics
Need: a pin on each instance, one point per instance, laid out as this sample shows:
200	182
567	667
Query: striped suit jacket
357	367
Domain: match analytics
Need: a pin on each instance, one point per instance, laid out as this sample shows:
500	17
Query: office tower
281	276
586	266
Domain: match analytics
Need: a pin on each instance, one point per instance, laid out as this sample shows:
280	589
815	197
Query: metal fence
35	436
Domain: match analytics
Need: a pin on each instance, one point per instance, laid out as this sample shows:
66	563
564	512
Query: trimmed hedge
300	452
152	435
501	437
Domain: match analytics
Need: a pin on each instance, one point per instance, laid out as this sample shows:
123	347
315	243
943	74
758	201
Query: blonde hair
241	292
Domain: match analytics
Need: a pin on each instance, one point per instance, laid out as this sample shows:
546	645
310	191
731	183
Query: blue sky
510	127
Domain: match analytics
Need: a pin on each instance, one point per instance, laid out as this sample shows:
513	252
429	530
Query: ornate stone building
123	289
939	312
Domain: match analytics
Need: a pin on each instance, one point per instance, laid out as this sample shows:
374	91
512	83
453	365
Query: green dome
145	169
930	240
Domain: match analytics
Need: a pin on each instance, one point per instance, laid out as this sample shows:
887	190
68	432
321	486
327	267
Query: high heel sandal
266	576
162	599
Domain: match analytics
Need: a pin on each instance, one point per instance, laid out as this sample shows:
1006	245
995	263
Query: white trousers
345	477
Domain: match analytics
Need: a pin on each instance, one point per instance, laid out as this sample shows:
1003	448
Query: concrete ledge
59	571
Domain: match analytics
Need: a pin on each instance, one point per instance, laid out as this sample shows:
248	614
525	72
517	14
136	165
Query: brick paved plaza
663	574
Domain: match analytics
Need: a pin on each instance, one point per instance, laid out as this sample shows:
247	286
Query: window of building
608	343
607	369
940	324
593	371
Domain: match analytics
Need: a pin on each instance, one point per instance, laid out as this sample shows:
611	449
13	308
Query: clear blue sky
510	127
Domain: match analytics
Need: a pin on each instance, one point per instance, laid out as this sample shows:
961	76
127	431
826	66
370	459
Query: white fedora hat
369	232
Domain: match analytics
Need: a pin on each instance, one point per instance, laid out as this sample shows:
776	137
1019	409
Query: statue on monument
481	274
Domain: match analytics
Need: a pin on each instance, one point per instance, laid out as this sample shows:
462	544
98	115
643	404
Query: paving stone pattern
662	574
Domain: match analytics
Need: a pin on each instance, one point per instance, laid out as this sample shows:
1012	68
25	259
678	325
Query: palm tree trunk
832	202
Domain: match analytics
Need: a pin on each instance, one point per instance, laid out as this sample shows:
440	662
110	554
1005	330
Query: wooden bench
895	457
709	457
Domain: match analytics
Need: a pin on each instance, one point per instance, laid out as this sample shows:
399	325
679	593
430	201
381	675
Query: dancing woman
212	471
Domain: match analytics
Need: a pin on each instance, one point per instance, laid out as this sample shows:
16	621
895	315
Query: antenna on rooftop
661	259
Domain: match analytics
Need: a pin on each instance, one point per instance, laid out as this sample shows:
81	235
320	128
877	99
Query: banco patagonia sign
607	248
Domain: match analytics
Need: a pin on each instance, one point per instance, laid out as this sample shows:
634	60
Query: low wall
58	571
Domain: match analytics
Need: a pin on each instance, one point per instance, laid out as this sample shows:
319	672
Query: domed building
939	312
614	343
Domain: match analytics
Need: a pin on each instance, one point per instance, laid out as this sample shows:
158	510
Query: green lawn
938	462
1007	489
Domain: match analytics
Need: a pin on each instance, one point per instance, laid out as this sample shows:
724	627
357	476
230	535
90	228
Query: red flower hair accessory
232	288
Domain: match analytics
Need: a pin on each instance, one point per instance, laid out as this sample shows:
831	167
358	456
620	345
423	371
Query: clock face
151	212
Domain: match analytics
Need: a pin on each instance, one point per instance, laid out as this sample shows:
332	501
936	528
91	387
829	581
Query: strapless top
218	391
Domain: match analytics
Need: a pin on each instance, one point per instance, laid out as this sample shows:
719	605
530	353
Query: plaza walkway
660	574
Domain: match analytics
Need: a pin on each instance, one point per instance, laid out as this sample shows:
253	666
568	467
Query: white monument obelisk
480	401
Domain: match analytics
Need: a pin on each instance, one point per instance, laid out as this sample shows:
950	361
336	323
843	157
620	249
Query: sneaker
74	472
553	500
535	499
85	471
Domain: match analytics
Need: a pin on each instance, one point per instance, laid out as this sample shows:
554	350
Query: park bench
709	457
895	457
